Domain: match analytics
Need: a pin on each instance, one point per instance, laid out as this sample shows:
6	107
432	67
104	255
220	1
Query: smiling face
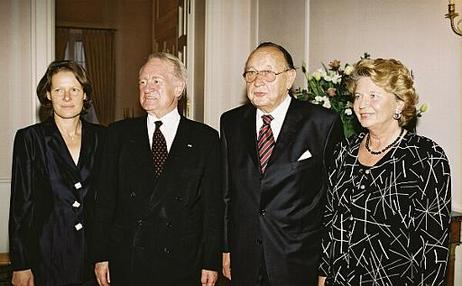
374	106
264	95
159	89
66	95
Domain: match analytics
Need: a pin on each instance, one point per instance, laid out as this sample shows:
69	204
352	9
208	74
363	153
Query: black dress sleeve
21	206
432	218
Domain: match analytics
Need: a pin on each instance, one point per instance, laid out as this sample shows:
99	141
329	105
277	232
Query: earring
397	115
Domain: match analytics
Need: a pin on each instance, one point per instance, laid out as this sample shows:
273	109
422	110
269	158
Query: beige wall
285	25
25	50
230	36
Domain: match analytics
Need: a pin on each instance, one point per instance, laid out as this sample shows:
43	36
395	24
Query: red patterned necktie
159	149
265	142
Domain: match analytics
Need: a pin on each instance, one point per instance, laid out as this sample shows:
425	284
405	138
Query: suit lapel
289	131
139	143
249	133
87	145
57	145
87	148
71	172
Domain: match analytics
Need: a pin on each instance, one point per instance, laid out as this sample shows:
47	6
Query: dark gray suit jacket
278	215
159	231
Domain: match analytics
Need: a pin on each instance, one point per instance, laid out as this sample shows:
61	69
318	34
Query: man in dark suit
274	153
159	209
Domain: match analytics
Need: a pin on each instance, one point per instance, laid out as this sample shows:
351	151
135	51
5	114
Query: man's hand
23	278
102	273
227	265
208	277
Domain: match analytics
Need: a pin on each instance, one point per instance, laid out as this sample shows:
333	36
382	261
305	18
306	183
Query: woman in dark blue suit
52	199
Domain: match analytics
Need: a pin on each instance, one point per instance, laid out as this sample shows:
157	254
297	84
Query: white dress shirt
170	122
279	114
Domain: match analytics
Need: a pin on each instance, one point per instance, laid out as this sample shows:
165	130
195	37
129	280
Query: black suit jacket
277	215
46	185
165	230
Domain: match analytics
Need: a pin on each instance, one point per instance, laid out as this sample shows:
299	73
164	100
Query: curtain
61	39
100	63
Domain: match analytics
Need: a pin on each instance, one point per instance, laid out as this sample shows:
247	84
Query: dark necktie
159	149
265	142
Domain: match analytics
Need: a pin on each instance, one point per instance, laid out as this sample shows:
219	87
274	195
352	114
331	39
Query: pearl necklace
368	137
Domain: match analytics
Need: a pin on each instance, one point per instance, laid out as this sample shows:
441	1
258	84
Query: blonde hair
392	76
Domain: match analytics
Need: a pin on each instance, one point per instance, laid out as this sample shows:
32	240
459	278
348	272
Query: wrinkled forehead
266	57
156	67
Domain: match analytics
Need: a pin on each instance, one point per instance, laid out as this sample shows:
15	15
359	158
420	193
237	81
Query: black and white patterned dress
388	224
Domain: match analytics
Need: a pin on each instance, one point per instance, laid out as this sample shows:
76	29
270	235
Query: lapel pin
189	145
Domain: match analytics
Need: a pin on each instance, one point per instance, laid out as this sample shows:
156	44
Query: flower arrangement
327	86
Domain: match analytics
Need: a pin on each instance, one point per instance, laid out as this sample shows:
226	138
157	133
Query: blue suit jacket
46	183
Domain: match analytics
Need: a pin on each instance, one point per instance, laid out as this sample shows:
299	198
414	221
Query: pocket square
305	155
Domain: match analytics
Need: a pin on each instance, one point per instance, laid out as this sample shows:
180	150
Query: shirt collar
279	113
169	119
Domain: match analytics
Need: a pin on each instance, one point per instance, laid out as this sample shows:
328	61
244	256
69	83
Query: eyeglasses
267	75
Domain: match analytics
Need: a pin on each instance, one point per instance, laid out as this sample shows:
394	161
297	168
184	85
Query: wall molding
42	40
307	36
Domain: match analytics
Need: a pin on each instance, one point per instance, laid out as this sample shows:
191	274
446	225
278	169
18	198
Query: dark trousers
262	278
91	282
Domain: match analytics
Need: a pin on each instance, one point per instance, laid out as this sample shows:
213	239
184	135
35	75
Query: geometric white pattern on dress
388	224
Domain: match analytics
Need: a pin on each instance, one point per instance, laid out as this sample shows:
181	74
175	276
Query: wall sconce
451	15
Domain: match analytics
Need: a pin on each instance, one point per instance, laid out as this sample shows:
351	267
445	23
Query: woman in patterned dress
388	206
52	199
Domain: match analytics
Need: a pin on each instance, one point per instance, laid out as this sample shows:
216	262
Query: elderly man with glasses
274	153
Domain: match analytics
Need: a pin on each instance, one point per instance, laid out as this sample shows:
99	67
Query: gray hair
179	69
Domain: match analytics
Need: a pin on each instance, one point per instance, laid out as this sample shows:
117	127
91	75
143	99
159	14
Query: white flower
326	103
336	78
317	75
348	69
319	99
322	72
327	76
348	111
